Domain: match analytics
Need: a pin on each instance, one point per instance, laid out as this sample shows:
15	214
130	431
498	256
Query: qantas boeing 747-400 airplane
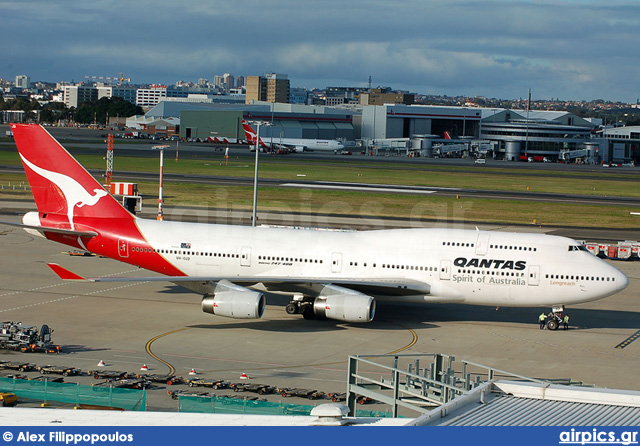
329	274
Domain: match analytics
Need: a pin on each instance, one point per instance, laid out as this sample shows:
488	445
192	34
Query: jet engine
234	301
349	306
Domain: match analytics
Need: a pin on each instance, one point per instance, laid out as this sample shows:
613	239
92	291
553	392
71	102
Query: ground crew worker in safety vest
542	318
565	322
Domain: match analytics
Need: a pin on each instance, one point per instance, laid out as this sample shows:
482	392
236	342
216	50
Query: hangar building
405	121
286	121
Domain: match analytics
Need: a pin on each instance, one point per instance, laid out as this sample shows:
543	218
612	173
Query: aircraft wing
291	147
43	229
203	284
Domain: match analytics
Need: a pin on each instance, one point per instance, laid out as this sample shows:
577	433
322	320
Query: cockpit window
577	248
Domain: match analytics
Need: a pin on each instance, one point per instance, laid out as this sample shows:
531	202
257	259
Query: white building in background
148	97
23	81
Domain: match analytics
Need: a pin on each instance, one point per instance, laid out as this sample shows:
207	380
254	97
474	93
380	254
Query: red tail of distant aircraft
251	134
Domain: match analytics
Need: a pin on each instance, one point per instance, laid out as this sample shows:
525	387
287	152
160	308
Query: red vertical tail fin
251	134
59	184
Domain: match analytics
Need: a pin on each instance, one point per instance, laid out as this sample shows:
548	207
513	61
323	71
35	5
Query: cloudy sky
568	49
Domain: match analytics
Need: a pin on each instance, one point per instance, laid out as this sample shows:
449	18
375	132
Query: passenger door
445	269
482	243
123	248
534	275
336	262
245	256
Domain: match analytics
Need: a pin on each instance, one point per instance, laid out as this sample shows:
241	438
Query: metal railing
401	382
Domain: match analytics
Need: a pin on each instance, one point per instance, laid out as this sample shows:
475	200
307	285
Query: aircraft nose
622	280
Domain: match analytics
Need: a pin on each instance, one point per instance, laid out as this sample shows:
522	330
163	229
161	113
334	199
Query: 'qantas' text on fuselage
518	265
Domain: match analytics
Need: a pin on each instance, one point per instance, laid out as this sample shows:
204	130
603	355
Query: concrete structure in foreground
513	403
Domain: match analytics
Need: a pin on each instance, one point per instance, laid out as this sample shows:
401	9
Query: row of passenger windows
289	259
192	253
406	267
411	268
514	248
491	273
564	277
471	245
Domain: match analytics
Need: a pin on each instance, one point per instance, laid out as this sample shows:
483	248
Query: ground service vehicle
175	394
127	383
213	383
260	389
20	366
110	374
302	393
8	399
64	371
164	379
26	338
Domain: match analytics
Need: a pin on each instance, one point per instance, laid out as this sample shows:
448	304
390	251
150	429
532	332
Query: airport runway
115	322
587	200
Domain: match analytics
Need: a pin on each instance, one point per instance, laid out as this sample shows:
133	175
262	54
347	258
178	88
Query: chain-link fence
224	405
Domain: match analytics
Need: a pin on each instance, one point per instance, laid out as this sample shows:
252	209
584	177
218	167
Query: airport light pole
160	201
254	216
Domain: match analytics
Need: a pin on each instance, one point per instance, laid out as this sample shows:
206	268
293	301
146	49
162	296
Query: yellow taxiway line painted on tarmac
409	345
147	347
172	369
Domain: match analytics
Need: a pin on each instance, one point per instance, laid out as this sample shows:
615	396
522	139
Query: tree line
86	113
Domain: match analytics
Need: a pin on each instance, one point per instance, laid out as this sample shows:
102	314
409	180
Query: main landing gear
301	305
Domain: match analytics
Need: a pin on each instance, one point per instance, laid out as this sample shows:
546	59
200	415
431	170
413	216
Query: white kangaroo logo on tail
73	192
248	130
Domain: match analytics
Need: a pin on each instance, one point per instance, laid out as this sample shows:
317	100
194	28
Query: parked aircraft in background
328	274
296	145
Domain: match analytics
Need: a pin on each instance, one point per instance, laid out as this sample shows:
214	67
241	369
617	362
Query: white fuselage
306	144
461	266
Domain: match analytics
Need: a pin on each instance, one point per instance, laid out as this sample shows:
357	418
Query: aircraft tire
307	312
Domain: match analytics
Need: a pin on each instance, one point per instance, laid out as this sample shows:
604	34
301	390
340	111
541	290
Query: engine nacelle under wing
344	305
234	301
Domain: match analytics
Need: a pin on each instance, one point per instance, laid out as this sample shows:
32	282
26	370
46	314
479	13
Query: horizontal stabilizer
44	229
64	273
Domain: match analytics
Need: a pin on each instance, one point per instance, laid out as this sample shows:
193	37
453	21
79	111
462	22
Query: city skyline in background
573	50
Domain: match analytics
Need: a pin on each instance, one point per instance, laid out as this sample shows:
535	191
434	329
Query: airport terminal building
513	135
